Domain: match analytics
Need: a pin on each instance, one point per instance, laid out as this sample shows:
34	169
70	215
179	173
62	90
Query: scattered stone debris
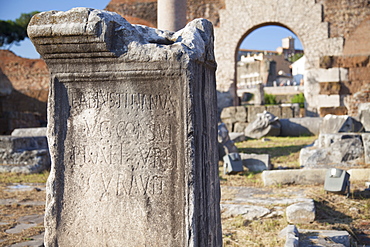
307	238
294	176
301	213
291	236
23	132
24	154
327	238
333	124
248	212
340	149
266	124
225	145
306	126
364	115
232	164
256	162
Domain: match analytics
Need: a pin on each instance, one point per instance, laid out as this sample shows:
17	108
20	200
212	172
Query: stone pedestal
132	132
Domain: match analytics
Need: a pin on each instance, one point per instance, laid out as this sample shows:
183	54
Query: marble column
171	14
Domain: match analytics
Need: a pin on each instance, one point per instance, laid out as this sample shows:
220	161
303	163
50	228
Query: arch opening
268	56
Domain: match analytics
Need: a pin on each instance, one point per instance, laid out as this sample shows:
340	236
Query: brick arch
240	17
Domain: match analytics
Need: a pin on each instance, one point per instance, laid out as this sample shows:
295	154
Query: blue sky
265	38
268	38
12	9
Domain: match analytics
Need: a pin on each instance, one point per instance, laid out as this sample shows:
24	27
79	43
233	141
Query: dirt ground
332	211
16	204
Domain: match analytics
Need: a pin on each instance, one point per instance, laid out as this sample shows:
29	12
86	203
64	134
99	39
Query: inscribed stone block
132	131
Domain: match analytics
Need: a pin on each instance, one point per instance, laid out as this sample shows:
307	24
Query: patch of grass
244	178
283	151
264	232
8	178
333	211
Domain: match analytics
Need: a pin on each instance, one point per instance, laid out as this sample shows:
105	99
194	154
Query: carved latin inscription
124	147
134	132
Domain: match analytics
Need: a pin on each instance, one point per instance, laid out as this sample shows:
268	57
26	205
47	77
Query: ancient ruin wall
24	86
344	16
145	11
325	28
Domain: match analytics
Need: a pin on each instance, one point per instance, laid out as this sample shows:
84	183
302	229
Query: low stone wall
24	154
236	118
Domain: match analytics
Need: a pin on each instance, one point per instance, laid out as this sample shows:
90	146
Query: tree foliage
11	32
295	57
270	99
299	98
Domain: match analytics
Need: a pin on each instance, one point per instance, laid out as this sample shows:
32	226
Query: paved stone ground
23	222
251	203
257	203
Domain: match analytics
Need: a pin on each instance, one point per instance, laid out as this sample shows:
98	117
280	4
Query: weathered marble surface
132	132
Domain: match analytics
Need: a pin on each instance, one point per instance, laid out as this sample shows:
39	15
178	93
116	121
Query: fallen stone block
340	149
302	176
266	124
26	162
300	126
237	136
364	115
301	213
333	238
256	162
291	236
359	174
18	144
23	132
327	140
232	163
366	143
224	139
335	124
249	212
28	154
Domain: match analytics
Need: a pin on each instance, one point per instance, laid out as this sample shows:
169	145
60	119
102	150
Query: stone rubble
24	154
266	124
301	213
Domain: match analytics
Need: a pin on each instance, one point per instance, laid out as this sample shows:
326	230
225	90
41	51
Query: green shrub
299	98
270	99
